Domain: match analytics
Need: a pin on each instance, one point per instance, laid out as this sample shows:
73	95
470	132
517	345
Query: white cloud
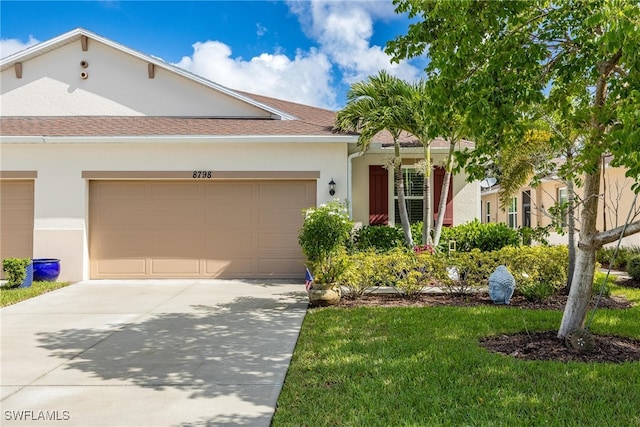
305	79
261	30
11	46
342	29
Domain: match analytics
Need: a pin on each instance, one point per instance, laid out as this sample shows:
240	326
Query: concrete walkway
149	353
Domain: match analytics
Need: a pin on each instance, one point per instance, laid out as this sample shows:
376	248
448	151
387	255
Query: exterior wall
61	194
495	213
466	197
615	202
466	200
118	85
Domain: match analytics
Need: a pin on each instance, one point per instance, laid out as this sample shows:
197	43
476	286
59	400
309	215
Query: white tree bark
402	205
442	207
427	218
572	232
444	193
580	293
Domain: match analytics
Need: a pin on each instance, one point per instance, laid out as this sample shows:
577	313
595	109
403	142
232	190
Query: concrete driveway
149	353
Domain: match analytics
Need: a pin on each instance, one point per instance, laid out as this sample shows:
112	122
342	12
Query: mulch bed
528	346
547	346
629	283
555	302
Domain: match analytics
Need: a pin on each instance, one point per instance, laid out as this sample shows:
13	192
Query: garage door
16	219
183	229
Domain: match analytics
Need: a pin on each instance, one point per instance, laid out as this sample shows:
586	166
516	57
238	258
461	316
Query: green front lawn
12	296
423	366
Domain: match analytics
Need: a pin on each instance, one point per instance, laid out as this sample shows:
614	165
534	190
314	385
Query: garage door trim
18	174
148	175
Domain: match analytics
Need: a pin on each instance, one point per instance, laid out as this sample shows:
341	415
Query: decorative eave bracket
84	41
18	68
151	68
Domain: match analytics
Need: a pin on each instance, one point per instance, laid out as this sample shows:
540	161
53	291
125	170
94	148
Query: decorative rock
501	285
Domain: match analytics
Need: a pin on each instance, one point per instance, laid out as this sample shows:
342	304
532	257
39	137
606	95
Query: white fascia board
489	191
73	35
38	49
175	139
412	150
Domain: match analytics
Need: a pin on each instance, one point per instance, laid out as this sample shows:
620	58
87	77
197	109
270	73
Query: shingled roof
288	119
155	126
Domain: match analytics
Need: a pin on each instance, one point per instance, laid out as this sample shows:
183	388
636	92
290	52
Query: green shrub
467	270
361	273
325	230
540	271
407	272
474	235
15	270
415	273
536	291
458	280
605	256
379	237
633	267
331	268
416	232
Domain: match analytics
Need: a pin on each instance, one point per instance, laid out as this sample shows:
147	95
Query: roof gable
83	74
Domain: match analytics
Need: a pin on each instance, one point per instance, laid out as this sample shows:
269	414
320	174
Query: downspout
350	179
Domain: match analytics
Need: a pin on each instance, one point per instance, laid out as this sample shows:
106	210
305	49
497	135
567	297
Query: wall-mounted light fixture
332	187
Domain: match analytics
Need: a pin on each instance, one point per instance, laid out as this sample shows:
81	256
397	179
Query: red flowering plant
423	249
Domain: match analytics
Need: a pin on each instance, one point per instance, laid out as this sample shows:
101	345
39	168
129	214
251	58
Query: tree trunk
402	205
427	217
589	240
444	193
442	207
575	311
572	233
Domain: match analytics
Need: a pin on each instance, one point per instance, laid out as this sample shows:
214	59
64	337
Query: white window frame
487	211
563	198
394	199
512	214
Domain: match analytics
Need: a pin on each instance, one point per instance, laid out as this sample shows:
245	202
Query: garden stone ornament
501	285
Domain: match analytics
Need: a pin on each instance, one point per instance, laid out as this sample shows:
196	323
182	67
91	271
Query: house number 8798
201	174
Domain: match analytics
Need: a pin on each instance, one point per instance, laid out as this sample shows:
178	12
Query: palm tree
377	104
426	120
417	122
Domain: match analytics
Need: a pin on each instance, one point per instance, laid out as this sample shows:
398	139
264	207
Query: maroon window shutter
378	195
438	178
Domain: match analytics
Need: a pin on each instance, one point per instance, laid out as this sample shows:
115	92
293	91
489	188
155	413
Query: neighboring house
124	166
530	206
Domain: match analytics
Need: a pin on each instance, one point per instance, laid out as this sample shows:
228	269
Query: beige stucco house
530	206
124	166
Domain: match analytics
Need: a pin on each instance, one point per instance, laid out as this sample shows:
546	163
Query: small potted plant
323	237
325	286
18	272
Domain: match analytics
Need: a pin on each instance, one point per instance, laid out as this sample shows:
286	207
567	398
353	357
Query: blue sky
303	51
